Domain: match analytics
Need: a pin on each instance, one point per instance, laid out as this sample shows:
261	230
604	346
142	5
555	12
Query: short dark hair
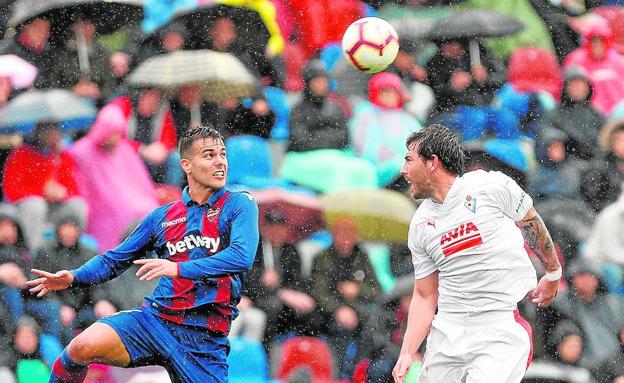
192	135
444	143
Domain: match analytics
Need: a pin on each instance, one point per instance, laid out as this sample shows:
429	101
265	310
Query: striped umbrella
221	75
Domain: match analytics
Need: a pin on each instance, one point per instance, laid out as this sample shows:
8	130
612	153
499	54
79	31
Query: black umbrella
475	23
252	33
106	15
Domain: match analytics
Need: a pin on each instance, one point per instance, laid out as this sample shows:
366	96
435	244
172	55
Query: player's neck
200	194
442	187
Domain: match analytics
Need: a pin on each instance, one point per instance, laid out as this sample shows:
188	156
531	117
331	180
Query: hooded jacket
579	120
116	184
605	73
554	180
317	122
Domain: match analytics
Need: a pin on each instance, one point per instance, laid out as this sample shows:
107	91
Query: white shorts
491	347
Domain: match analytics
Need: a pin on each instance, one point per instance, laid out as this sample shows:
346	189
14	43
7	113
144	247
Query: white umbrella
221	75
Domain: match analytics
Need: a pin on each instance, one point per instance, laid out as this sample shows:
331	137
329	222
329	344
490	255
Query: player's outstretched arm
49	281
421	311
537	237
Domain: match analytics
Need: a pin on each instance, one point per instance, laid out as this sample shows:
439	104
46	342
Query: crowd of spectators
68	195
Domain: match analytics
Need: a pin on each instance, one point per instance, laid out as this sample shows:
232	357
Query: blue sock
66	370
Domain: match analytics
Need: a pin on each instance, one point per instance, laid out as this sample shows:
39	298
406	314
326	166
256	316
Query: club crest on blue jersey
212	213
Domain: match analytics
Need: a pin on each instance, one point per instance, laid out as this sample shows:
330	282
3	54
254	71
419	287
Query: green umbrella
379	214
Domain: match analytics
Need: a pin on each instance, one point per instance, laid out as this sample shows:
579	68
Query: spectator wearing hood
557	175
380	126
152	132
113	179
603	180
567	344
575	116
67	252
317	122
39	178
603	64
599	315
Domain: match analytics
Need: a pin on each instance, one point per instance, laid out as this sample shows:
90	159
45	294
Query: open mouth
219	173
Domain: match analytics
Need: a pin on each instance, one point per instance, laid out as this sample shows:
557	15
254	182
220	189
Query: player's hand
156	268
402	366
49	282
545	292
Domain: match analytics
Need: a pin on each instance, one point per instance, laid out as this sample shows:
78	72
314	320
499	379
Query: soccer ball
370	44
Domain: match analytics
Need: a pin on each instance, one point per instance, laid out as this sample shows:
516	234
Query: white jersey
472	240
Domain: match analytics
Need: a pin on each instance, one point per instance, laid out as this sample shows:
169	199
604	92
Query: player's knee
81	349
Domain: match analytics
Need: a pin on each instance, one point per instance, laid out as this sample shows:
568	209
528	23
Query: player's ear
186	165
434	163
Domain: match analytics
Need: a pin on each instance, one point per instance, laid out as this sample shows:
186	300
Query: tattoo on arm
537	237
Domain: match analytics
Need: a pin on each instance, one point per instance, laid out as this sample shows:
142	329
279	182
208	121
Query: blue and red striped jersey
214	245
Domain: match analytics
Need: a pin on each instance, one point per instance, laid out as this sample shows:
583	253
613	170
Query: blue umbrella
54	105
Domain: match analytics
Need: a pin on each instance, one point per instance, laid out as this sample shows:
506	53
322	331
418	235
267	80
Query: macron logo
174	222
460	238
192	241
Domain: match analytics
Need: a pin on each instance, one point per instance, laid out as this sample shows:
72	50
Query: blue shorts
190	355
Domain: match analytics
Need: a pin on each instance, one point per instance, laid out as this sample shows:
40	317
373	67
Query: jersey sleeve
112	263
240	253
509	196
423	264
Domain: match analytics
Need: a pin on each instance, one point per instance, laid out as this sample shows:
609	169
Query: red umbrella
300	211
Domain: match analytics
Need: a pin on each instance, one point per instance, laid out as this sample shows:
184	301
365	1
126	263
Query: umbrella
221	74
107	15
474	23
412	22
379	214
21	73
55	105
253	34
301	211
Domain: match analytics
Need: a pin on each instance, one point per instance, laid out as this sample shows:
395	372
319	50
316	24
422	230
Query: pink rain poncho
605	73
115	182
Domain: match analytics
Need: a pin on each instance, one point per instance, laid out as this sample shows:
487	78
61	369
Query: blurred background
94	94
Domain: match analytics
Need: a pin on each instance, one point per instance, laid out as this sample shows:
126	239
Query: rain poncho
606	73
116	184
377	133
